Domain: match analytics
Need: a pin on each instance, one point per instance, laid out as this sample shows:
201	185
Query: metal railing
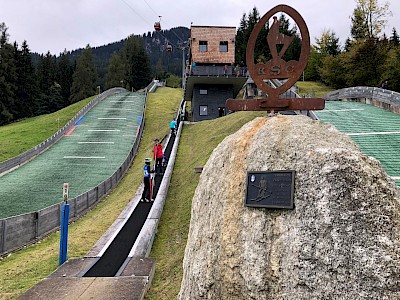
21	230
229	71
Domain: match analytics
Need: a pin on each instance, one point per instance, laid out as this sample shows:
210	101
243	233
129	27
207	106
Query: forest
32	84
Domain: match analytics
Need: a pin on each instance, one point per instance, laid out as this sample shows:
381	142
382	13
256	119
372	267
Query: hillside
155	44
21	270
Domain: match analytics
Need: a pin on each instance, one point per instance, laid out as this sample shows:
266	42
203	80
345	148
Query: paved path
375	130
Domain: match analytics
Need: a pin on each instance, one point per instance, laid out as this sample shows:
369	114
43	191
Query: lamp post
183	46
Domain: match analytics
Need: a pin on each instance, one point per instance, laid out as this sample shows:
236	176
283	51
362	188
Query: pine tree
27	92
365	64
394	39
84	79
138	72
64	76
116	71
46	73
392	69
328	43
261	50
8	75
241	40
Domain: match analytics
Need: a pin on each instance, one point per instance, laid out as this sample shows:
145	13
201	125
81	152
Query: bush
173	81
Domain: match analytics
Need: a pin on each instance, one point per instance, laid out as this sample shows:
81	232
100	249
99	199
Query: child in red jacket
158	156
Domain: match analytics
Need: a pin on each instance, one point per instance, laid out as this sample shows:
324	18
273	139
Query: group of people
160	162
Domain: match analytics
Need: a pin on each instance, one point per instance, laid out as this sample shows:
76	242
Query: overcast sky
55	25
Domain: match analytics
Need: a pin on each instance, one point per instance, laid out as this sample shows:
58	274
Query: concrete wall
213	36
386	99
216	97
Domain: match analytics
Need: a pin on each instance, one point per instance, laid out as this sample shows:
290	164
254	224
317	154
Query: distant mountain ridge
155	44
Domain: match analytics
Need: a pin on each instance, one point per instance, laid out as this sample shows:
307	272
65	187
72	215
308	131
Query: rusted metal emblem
277	67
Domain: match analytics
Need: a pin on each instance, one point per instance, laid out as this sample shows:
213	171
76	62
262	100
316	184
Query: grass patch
21	136
313	89
196	145
21	270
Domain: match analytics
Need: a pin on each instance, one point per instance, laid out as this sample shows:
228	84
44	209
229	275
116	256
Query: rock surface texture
342	240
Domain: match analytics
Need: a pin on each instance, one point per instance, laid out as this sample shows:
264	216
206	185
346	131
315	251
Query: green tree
8	77
26	84
138	71
64	76
46	73
116	71
365	65
84	79
173	81
261	51
160	73
369	19
241	40
392	69
328	43
312	71
394	39
333	70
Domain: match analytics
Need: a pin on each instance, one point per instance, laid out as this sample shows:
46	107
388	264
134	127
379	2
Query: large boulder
341	241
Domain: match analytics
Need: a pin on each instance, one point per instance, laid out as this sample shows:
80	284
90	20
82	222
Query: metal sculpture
277	67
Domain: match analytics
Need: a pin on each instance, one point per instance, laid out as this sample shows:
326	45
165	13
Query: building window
203	92
203	110
203	46
223	46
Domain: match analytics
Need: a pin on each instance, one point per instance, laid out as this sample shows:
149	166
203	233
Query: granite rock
341	241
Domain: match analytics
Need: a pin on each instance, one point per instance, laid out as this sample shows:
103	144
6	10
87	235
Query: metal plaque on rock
274	189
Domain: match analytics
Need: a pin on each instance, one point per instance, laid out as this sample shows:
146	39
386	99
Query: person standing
158	156
172	126
147	191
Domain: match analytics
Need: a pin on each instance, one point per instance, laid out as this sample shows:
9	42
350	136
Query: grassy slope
19	137
195	147
23	269
313	89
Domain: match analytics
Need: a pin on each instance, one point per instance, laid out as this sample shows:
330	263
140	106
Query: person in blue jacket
147	191
172	126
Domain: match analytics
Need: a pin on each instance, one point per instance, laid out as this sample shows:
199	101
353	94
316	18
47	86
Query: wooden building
212	75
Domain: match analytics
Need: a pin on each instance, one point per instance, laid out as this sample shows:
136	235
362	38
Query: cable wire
179	38
147	22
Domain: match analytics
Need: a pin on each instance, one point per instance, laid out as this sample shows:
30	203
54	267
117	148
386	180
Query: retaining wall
386	99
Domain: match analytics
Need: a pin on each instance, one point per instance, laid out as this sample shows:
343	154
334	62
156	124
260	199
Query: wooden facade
212	44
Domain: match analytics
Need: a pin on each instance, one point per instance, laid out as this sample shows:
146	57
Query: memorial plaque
272	189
